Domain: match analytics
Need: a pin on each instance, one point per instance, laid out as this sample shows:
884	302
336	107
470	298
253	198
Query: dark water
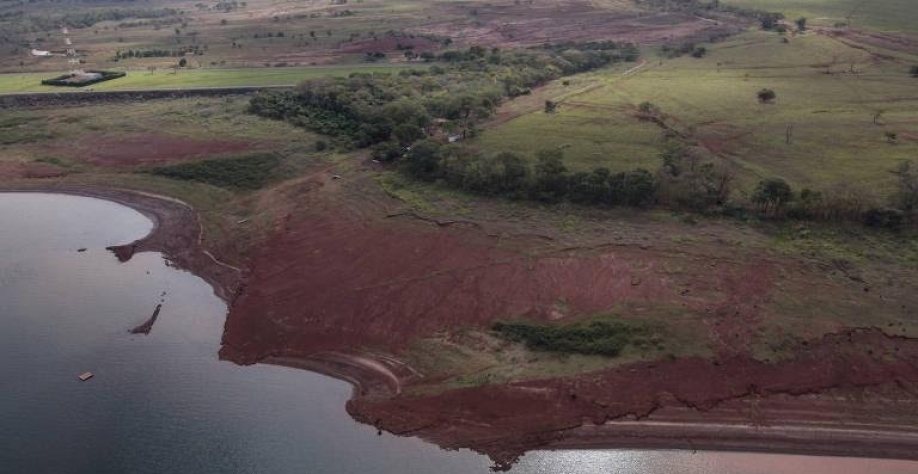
163	403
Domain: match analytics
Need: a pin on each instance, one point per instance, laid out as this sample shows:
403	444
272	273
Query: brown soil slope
334	284
343	289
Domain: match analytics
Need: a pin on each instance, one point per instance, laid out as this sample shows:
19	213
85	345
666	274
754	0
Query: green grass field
713	101
184	78
887	15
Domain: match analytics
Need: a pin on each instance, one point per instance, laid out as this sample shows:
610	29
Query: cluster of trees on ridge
468	85
512	176
395	114
682	181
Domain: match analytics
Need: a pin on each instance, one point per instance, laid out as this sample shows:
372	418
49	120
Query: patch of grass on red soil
248	172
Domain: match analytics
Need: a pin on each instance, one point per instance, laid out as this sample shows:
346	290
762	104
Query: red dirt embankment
331	291
336	284
506	421
333	294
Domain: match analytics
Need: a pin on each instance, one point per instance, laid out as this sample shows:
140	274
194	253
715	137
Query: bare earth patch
128	151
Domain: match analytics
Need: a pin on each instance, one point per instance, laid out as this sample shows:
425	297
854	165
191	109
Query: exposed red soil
17	170
334	288
333	284
125	151
507	420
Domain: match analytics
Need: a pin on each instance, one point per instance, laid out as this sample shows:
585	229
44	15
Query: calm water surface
163	403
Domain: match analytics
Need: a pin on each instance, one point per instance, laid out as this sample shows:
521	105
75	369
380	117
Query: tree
638	187
770	20
407	133
906	197
771	194
591	188
550	176
423	160
801	24
766	95
513	173
387	152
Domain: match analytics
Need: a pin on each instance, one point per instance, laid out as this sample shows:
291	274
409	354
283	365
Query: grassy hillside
827	91
887	15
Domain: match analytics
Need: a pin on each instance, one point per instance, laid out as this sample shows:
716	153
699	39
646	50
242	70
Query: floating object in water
85	376
83	249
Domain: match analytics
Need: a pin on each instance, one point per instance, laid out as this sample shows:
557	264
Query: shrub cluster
598	337
248	172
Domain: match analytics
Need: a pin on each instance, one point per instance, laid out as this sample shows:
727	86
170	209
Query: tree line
158	53
682	181
511	175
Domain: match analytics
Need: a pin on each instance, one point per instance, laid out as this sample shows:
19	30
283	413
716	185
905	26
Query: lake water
163	403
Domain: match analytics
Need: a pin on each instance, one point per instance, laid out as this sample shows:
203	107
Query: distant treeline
369	109
89	18
158	53
701	6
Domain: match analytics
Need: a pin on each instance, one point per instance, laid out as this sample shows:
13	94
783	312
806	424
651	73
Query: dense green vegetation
596	337
248	172
511	175
370	109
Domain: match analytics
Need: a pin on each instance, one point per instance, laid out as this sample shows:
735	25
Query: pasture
842	116
885	15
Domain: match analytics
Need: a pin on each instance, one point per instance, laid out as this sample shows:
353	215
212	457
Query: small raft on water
85	376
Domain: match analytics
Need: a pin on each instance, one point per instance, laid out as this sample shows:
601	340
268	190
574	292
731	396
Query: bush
597	337
766	95
886	218
387	152
246	172
913	71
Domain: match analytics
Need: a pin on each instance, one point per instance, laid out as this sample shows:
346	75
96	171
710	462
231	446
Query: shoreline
177	235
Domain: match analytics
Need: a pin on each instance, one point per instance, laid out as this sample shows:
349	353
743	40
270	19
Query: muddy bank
334	283
854	393
176	233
